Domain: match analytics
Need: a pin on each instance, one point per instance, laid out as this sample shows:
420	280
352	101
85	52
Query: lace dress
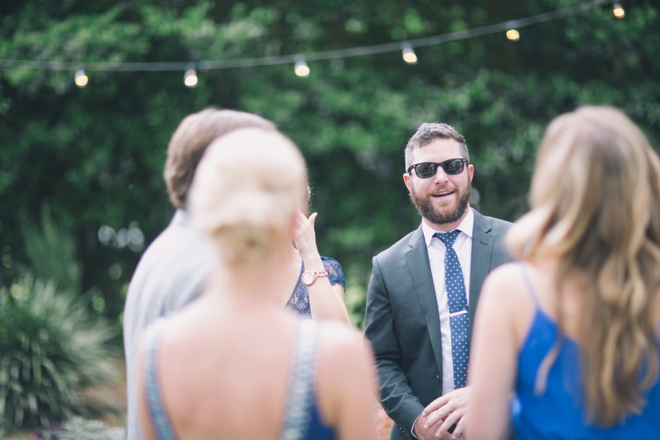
299	299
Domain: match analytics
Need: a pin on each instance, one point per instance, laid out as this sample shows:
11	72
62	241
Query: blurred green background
88	162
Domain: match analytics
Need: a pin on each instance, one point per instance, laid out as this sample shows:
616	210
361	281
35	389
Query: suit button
437	376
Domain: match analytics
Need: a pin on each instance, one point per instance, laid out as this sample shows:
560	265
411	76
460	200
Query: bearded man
424	289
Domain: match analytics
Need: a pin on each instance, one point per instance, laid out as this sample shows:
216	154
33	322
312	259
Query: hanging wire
314	56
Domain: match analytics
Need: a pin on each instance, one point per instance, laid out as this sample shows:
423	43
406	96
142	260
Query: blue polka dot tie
458	308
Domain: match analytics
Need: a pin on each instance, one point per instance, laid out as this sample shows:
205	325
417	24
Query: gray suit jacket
402	319
172	272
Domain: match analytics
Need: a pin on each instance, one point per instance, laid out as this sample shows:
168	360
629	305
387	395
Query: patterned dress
299	299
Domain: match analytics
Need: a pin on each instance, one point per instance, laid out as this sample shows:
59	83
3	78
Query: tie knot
448	238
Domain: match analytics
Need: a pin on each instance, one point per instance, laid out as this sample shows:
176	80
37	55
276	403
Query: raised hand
304	235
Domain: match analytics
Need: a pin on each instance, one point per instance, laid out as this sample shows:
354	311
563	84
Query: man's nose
440	176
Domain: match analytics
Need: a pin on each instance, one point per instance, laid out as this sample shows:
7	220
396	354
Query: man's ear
406	180
471	172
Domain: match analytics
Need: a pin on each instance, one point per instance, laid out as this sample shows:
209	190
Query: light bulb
513	35
301	68
408	54
81	79
618	11
190	78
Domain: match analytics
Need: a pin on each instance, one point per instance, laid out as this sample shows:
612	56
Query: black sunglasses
426	170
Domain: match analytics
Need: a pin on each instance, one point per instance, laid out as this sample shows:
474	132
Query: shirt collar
466	227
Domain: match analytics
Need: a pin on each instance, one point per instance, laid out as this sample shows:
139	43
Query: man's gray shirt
172	272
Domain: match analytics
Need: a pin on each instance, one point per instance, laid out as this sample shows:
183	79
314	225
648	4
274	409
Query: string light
301	68
81	79
510	27
513	35
618	11
408	53
190	78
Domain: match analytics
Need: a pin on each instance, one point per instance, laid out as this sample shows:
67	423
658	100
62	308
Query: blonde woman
572	331
235	364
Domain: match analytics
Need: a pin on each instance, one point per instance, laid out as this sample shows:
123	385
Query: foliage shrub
50	348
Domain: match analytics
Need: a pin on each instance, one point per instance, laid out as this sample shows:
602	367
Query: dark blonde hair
595	200
191	139
245	192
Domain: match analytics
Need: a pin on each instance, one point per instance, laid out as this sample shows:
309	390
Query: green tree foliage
96	154
51	255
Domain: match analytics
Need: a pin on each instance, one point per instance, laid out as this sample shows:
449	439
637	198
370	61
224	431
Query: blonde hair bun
245	191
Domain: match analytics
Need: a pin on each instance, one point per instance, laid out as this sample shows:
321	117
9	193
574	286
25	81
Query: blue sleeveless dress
559	413
299	299
301	419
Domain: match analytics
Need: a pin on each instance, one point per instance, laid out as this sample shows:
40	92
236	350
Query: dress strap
300	396
159	419
528	283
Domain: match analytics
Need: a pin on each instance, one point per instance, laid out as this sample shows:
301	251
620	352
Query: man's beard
425	208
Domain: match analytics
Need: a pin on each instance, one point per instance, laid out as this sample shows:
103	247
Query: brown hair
595	200
430	131
191	139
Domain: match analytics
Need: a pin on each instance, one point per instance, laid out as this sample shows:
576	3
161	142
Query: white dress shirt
436	251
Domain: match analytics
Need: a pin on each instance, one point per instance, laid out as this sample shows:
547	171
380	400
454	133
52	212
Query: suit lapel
482	250
420	272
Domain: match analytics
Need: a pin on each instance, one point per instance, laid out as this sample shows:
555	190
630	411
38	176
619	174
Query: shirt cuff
412	430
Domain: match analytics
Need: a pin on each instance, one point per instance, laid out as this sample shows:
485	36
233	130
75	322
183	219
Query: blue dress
299	299
302	420
559	413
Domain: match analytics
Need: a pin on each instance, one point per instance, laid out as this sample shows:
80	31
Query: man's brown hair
189	143
430	131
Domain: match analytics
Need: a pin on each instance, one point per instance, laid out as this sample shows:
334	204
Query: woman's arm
326	301
494	352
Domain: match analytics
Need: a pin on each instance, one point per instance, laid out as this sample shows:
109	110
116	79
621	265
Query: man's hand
423	433
441	414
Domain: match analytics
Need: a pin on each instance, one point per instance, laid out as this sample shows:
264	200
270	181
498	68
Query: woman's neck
250	284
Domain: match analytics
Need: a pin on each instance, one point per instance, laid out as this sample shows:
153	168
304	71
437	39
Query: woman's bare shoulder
343	350
506	272
506	283
505	297
337	337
